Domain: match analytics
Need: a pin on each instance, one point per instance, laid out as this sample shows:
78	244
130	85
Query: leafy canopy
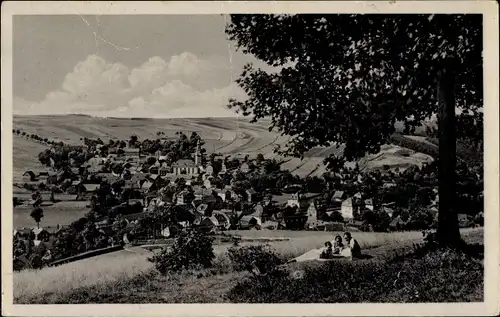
348	79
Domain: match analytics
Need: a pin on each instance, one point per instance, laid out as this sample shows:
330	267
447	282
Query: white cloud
184	86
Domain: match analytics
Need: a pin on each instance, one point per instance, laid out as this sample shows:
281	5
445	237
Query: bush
190	250
249	258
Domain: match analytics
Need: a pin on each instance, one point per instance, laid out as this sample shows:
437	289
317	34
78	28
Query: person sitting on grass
352	248
328	252
337	245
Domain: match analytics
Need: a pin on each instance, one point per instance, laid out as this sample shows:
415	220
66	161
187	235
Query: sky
125	66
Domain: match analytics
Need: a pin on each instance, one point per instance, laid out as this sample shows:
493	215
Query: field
129	268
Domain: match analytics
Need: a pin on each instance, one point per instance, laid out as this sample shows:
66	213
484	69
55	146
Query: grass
303	241
33	285
51	285
434	277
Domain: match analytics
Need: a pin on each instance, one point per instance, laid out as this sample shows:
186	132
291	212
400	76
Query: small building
209	169
347	210
208	223
41	234
225	195
245	167
337	198
134	152
369	204
209	182
251	195
158	155
200	193
397	223
184	198
164	170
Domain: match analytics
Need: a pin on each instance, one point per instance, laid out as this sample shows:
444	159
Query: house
225	195
387	209
250	221
208	223
145	184
153	169
347	210
397	223
29	176
135	152
312	215
204	209
338	197
200	193
251	195
41	235
208	182
223	219
184	198
164	169
209	169
245	167
158	155
369	204
300	200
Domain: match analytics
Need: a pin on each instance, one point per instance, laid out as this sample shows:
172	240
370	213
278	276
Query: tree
133	140
37	215
260	158
347	79
151	160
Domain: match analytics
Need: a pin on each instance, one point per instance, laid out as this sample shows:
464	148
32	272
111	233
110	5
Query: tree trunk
448	232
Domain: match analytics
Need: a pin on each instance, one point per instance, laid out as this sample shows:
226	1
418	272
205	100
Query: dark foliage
254	257
191	249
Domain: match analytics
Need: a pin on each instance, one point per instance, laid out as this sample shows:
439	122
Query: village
147	191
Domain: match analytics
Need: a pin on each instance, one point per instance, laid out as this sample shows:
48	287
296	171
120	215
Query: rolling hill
232	136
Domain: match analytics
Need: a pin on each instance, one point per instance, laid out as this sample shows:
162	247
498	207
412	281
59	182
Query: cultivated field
232	136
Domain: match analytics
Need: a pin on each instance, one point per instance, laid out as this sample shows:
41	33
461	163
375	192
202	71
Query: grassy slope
128	279
122	272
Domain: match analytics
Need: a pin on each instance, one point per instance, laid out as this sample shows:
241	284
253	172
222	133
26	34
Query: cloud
184	86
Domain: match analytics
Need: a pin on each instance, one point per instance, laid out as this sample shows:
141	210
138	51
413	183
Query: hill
231	136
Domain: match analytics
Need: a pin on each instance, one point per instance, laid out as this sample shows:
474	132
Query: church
187	166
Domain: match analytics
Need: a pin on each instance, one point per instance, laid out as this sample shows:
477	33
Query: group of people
338	249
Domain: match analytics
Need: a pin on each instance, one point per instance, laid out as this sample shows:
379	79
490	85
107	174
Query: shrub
249	258
190	250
